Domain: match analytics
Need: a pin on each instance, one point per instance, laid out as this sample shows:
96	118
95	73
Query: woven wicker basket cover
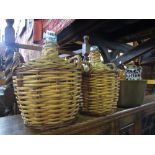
100	87
47	91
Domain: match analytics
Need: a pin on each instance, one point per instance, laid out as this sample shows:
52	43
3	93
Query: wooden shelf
127	121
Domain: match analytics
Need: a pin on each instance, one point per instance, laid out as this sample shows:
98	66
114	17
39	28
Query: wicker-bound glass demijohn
48	90
100	85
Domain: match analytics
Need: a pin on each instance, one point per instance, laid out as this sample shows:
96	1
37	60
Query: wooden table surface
13	125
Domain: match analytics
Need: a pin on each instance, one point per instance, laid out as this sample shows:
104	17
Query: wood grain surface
110	124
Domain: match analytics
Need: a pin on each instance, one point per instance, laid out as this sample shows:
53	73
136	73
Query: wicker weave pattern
45	99
100	92
100	89
48	94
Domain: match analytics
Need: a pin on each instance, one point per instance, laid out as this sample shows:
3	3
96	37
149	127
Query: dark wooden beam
147	46
29	47
79	28
74	30
131	32
104	45
22	46
145	34
148	61
71	47
114	54
113	45
117	30
117	24
134	28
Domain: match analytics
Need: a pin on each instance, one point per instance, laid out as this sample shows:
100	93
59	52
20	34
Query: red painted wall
33	33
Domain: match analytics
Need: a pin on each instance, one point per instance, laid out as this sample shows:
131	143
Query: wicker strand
100	87
48	91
